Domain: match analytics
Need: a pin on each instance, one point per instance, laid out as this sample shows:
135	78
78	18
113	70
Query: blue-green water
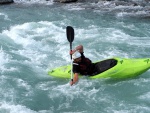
33	41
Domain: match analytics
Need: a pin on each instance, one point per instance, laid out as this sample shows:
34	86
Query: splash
37	40
11	108
4	59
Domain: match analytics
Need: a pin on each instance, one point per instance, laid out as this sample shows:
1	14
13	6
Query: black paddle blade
70	33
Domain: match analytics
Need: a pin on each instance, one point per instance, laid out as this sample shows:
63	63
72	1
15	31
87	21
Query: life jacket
84	66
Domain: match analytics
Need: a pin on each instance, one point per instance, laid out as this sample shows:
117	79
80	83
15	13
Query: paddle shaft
70	37
71	62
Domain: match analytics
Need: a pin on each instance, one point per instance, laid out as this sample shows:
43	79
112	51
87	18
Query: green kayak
122	68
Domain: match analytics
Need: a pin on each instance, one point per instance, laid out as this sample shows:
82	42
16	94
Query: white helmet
76	55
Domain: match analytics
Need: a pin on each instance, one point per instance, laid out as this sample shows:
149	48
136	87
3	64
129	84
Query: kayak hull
125	68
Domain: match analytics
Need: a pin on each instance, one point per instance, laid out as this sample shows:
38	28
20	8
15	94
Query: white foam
145	96
5	58
26	34
12	108
75	7
2	56
76	90
34	38
47	2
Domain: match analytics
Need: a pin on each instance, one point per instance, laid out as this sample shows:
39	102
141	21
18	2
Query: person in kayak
81	64
84	66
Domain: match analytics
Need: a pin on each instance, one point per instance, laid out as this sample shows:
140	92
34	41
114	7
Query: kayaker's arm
75	79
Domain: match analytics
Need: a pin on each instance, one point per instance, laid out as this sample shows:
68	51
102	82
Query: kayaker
81	64
84	66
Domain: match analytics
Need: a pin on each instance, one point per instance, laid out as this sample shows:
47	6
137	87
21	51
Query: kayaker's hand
72	51
74	80
71	82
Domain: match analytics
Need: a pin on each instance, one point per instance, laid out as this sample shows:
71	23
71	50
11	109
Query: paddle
70	37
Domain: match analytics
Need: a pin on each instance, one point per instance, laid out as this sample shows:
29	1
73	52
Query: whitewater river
33	41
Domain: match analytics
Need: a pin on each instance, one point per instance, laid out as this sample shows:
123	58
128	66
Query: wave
5	58
47	2
120	8
91	1
12	108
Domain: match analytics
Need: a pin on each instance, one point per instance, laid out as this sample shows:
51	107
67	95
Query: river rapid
33	41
